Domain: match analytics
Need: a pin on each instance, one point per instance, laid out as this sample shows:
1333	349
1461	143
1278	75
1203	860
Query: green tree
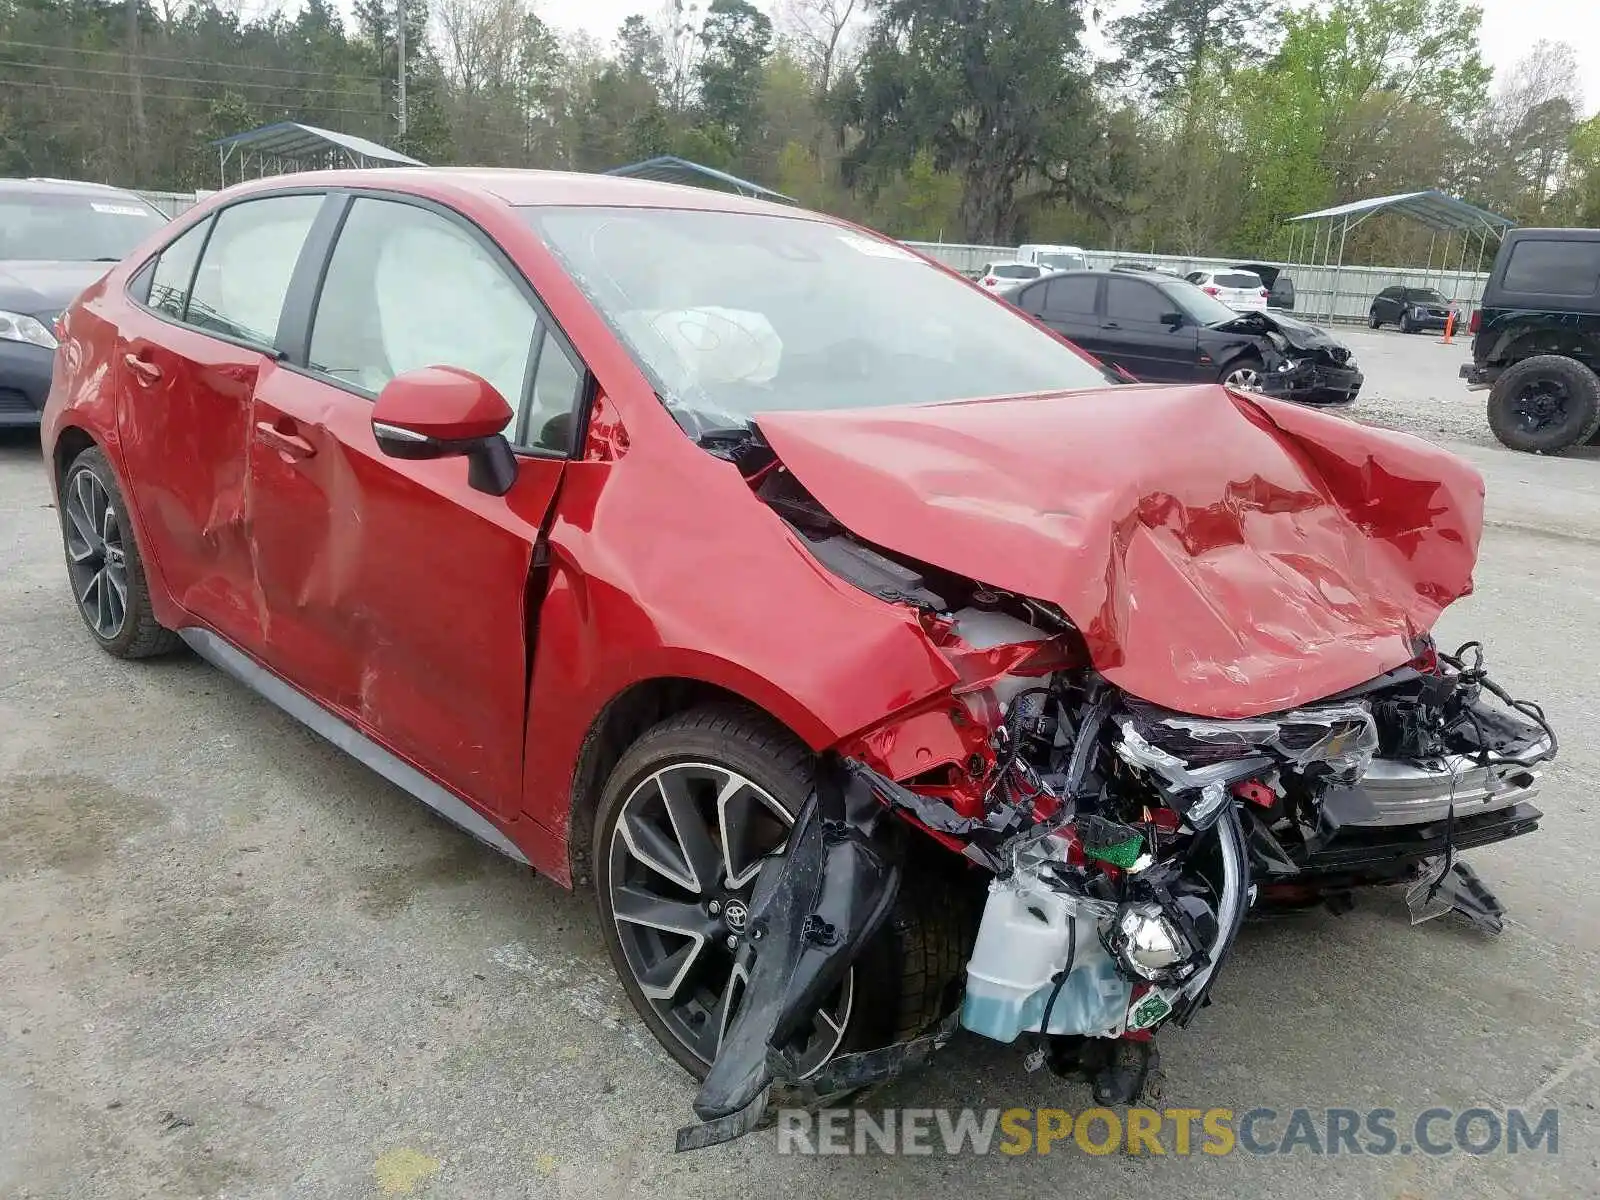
737	37
1167	45
997	90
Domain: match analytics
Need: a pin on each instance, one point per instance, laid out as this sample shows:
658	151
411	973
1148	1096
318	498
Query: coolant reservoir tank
984	630
1023	941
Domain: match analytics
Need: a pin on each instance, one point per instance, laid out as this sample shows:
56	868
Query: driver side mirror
443	412
1172	320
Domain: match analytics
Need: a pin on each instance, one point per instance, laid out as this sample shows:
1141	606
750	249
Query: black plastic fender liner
838	1078
809	919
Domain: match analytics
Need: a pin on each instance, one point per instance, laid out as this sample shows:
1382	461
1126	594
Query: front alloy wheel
1245	377
685	851
691	815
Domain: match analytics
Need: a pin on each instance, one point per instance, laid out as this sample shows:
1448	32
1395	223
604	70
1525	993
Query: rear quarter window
173	272
1550	267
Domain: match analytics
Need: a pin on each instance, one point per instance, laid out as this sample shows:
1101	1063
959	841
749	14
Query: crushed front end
1120	842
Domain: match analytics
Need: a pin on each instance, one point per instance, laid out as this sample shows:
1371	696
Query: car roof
527	188
61	187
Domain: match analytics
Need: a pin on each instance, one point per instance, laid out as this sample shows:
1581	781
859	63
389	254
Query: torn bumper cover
808	921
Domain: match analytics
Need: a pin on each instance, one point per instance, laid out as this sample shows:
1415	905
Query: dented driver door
396	593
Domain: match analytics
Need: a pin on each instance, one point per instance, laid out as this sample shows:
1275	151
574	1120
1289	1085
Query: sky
1510	28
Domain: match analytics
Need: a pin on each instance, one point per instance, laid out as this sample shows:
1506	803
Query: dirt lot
235	963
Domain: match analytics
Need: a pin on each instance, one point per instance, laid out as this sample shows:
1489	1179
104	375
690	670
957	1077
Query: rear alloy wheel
697	808
103	562
1243	375
1374	321
1545	404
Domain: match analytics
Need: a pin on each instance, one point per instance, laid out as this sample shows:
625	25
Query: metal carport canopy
291	139
294	146
1438	210
667	168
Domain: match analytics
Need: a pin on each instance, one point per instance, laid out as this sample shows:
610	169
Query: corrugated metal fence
174	203
1337	293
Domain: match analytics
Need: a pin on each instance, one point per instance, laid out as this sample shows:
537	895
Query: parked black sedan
1411	308
1164	330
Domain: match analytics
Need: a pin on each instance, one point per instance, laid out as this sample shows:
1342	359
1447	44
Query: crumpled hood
1299	334
1223	556
45	287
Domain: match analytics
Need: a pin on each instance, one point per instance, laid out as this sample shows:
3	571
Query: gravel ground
1413	384
235	963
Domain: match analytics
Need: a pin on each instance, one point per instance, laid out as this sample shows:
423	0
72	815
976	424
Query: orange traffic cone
1449	328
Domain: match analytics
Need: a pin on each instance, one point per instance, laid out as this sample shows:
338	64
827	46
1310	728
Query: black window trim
209	220
304	309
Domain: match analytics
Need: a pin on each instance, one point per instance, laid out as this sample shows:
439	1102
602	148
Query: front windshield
1427	296
1063	262
736	314
73	227
1201	308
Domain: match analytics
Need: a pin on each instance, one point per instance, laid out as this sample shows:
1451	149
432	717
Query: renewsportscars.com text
1175	1131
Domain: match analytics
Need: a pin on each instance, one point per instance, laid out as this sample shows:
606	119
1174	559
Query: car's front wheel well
619	725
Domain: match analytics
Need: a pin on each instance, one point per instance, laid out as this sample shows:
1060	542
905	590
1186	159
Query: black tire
1545	404
99	542
1405	323
908	974
1373	320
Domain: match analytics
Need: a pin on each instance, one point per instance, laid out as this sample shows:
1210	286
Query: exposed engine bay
1124	843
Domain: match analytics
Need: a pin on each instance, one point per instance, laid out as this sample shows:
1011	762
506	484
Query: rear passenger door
1138	341
1067	304
190	357
397	591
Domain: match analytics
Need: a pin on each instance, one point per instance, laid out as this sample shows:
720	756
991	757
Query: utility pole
400	24
141	130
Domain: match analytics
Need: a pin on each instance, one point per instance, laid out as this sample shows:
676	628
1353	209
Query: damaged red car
883	663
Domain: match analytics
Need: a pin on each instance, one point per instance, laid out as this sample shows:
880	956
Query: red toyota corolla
881	661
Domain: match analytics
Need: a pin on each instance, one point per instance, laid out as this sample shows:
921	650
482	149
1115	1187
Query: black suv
1411	308
1536	341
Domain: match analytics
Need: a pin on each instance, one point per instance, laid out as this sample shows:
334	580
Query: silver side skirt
319	720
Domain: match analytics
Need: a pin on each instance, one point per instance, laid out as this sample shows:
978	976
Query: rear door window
1031	298
245	270
1548	267
1072	295
1129	301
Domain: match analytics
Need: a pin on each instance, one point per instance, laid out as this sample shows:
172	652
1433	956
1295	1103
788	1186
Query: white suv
1241	291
